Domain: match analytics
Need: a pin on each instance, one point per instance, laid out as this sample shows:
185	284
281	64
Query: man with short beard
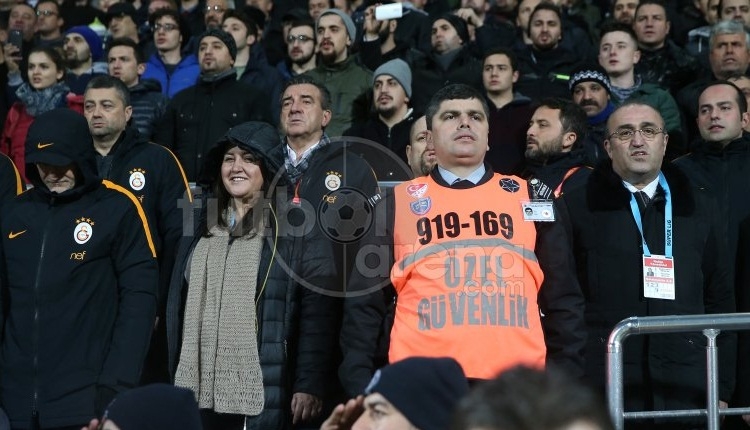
214	14
555	161
391	123
545	64
199	115
339	73
420	153
300	49
624	11
83	50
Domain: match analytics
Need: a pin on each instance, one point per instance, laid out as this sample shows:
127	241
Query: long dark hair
223	200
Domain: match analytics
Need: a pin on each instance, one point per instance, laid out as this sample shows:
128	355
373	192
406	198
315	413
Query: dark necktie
462	184
642	199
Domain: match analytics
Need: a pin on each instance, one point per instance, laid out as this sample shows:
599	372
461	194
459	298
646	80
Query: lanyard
568	174
667	218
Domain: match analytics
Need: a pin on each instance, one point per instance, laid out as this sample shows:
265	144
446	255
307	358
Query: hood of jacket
50	143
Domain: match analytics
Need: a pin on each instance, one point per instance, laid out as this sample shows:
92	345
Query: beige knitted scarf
219	359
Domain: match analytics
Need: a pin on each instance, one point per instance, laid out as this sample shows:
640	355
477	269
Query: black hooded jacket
153	174
79	280
295	324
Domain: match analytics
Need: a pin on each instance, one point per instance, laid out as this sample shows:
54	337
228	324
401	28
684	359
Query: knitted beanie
425	390
590	73
399	70
225	38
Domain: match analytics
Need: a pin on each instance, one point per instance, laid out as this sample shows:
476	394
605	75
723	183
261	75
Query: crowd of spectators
281	116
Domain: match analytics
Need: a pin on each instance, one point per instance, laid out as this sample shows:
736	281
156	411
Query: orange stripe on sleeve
141	213
182	171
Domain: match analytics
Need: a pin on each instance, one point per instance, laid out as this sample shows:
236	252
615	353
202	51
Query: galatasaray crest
83	231
137	179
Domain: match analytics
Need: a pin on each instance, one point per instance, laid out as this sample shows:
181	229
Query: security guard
473	260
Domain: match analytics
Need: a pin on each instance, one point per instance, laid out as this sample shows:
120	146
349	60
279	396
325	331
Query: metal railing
711	325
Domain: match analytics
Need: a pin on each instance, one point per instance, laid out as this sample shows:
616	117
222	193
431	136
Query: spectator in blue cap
83	49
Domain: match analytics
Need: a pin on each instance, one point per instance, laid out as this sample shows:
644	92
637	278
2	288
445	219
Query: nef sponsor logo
78	256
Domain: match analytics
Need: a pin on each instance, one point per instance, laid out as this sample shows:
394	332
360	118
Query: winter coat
295	324
11	184
153	174
79	283
545	73
391	146
664	371
428	76
725	173
198	116
670	67
148	104
546	177
348	83
269	80
184	75
507	138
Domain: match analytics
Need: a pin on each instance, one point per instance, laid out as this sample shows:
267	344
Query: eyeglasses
166	27
215	8
46	13
626	135
301	39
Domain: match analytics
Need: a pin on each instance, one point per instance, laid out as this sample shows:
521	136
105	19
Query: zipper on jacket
35	328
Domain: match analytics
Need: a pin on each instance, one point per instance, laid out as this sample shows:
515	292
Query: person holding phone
44	91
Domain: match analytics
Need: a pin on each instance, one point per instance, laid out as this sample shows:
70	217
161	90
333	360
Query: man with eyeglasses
214	14
300	49
168	65
49	24
645	242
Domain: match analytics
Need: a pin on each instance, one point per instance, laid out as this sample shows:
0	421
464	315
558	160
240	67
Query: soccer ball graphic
345	215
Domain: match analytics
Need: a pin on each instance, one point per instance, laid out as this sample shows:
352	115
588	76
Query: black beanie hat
155	407
425	390
459	24
225	38
591	72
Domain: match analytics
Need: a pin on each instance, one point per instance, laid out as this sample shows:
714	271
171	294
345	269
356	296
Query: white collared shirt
291	155
474	177
649	189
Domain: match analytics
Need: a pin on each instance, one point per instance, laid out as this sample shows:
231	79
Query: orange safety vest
466	276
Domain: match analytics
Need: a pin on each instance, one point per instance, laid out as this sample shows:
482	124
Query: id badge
538	210
658	277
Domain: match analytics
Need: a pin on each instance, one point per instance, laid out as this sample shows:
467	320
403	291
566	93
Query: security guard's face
460	131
